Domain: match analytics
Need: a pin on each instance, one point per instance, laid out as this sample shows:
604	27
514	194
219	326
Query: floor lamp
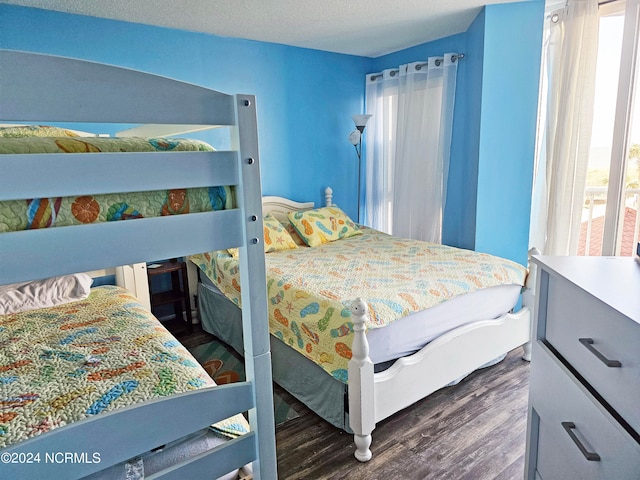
355	138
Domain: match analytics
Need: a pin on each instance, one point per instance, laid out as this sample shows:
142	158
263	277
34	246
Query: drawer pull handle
591	456
588	342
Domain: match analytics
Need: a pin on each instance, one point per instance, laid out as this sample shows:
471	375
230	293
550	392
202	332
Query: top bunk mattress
24	214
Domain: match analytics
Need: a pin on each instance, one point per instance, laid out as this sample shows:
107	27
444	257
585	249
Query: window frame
622	122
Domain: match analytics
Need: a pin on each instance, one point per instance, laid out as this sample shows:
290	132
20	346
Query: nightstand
177	295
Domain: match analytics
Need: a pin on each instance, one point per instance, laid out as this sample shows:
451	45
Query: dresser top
613	280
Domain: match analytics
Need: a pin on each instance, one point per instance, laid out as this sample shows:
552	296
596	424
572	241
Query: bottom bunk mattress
66	363
159	459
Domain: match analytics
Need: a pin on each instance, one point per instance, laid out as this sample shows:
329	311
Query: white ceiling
359	27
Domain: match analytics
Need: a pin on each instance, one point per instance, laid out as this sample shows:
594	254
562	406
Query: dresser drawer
589	334
570	420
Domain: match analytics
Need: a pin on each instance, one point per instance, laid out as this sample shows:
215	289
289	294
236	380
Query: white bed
409	334
41	88
428	359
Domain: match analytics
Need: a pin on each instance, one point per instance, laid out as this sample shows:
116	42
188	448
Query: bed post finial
328	197
529	298
361	387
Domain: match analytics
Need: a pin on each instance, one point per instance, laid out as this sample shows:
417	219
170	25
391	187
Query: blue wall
459	224
510	78
305	98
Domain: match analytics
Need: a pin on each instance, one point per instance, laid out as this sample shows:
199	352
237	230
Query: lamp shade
361	120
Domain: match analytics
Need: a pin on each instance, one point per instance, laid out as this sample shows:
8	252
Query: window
611	213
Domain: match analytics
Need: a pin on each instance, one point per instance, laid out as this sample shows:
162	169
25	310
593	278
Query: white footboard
374	397
446	359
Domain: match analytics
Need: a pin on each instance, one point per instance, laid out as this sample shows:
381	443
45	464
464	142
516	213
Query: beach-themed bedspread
61	211
310	289
66	363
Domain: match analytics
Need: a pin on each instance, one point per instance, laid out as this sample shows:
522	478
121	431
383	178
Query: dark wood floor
474	430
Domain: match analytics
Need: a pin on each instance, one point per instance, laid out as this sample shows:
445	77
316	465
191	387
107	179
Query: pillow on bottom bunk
50	292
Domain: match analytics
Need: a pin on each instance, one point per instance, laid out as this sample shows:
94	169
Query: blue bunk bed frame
42	88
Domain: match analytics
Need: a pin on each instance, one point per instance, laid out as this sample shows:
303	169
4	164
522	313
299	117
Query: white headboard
280	206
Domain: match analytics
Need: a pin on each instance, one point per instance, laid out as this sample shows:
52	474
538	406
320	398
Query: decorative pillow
36	131
276	236
50	292
323	225
291	230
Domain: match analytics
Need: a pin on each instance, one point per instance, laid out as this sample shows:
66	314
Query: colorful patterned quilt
63	364
310	289
61	211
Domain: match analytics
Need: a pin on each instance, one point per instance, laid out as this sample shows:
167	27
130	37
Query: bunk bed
42	88
381	379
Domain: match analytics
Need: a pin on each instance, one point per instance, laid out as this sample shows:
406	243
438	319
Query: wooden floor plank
474	430
471	431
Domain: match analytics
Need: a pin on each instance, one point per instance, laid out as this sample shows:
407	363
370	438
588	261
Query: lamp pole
356	139
359	153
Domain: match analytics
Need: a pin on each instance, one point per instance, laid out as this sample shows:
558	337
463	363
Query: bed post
529	299
328	197
134	278
192	280
361	386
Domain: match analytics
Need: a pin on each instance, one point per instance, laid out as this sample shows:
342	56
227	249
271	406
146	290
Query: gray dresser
584	400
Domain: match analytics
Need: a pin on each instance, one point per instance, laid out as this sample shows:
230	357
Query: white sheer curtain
380	140
408	144
565	124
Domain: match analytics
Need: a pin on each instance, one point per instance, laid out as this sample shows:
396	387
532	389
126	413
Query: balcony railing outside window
593	221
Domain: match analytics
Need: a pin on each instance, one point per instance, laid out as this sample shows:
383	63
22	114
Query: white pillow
20	297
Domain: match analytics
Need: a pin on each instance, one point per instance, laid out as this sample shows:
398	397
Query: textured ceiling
359	27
